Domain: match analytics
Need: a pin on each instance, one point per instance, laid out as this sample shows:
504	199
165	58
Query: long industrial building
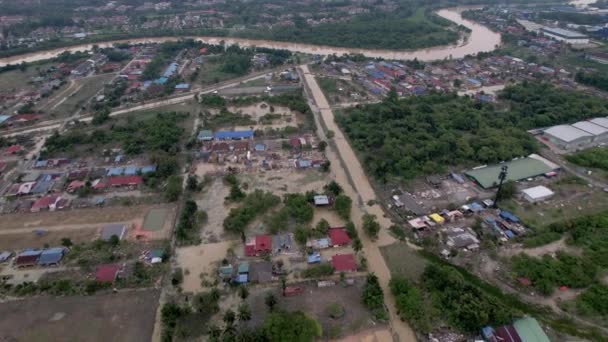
579	135
570	37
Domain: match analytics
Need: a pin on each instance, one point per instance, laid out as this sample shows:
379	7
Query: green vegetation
593	157
410	304
423	135
256	203
587	233
573	17
317	271
373	297
593	301
159	133
596	79
188	227
343	205
547	273
174	188
403	28
371	226
291	326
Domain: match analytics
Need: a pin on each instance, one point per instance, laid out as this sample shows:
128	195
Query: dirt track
362	192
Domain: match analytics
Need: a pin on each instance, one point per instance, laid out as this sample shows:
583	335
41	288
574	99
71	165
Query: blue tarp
182	86
3	118
115	171
131	170
148	169
50	256
314	258
475	207
118	158
241	278
161	80
222	135
41	163
508	216
171	69
509	234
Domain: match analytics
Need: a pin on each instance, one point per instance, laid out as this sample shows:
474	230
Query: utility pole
502	176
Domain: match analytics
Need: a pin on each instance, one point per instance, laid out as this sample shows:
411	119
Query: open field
17	79
90	87
126	316
27	239
201	259
403	261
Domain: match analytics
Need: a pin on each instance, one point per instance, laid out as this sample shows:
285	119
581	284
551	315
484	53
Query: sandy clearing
196	260
559	245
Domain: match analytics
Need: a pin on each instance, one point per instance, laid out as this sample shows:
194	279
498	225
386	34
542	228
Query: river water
481	39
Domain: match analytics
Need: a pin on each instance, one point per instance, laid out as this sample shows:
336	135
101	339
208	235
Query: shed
110	230
344	263
51	256
107	273
339	237
204	135
131	170
537	194
281	242
243	268
321	243
260	272
321	200
27	258
225	272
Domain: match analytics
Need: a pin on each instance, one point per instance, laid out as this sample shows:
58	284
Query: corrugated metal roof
529	330
566	133
590	127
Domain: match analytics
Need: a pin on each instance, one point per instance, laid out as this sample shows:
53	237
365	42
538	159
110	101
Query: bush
319	270
371	226
335	310
343	205
373	297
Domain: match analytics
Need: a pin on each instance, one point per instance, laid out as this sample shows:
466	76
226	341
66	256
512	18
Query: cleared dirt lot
127	316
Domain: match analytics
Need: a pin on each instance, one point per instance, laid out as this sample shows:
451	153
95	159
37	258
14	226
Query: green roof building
523	168
529	330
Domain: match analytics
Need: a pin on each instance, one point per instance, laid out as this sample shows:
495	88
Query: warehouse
522	168
600	134
570	37
567	137
537	194
600	122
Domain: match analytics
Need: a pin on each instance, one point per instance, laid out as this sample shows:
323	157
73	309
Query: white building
567	137
537	194
600	134
570	37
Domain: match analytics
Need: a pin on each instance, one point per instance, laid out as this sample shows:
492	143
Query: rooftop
564	33
538	192
590	127
519	169
566	133
600	122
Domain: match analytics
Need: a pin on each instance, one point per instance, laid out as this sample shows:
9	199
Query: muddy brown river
481	39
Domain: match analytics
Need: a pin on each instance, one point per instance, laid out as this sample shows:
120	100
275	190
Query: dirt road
361	190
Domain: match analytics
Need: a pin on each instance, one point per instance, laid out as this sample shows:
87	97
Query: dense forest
594	157
422	135
401	29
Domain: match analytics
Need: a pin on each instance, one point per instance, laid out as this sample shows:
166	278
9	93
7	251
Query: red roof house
44	203
125	181
107	273
507	333
260	244
339	237
13	149
344	263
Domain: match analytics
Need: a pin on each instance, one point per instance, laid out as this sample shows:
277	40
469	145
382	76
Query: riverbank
480	39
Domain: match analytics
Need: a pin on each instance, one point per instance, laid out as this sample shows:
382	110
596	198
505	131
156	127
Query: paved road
360	189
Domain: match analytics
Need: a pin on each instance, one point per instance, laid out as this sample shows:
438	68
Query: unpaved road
362	190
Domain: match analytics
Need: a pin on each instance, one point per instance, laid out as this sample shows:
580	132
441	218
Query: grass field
90	87
126	316
403	261
17	79
211	74
155	219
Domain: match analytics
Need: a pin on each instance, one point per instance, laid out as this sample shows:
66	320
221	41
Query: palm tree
244	312
229	317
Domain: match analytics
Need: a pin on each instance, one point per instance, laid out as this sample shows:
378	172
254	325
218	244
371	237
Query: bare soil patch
126	316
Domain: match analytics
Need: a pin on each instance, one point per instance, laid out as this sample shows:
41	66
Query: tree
192	183
330	134
333	188
244	312
291	326
229	317
114	240
322	226
325	166
283	285
174	188
357	245
101	116
322	146
66	242
507	191
270	300
243	292
371	226
373	296
343	205
214	332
